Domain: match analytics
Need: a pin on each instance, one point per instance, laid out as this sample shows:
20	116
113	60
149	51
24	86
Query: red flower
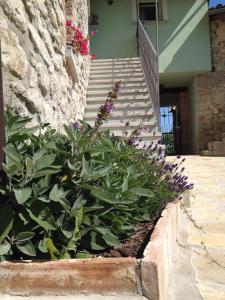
68	23
93	56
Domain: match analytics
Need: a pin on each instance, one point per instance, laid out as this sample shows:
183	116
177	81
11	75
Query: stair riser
109	86
120	98
122	119
113	81
123	108
115	67
116	71
118	76
121	92
122	113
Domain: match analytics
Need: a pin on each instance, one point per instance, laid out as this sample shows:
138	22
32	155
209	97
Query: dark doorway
175	122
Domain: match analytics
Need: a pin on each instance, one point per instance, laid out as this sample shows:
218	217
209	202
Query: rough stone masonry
37	79
210	89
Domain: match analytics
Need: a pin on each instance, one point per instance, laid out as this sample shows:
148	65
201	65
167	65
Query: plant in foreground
68	195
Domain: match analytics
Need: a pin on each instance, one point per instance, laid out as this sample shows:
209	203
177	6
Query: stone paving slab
205	246
74	297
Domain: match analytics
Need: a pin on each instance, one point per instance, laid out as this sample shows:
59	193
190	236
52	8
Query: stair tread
133	104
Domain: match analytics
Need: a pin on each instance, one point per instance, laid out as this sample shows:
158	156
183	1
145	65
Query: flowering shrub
85	191
80	43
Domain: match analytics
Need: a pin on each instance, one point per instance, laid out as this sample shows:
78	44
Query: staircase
134	104
215	148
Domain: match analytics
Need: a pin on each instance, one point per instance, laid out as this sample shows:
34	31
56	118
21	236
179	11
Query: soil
135	246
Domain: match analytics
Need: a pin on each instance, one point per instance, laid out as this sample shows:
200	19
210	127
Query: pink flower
92	33
93	56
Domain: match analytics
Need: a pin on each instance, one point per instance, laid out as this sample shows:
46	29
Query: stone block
67	277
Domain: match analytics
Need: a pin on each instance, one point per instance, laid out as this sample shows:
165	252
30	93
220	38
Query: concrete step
123	108
122	92
117	113
119	127
131	80
131	97
115	66
109	86
128	60
118	76
117	70
119	117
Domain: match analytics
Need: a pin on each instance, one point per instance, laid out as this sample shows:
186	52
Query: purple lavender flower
77	125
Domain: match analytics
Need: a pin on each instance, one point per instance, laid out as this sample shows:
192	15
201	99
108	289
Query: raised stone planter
106	276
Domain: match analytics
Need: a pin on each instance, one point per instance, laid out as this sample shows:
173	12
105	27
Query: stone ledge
65	277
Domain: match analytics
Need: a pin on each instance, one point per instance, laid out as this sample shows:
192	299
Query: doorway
175	121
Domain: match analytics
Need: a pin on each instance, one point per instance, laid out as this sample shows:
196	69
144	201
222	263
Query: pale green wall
116	32
184	41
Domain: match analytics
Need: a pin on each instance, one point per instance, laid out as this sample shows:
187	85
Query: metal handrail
149	59
2	125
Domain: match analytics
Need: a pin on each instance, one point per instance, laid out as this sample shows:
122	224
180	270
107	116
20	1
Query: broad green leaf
45	162
111	240
96	242
26	247
102	194
24	236
23	194
142	192
58	195
42	246
6	220
4	248
42	215
13	155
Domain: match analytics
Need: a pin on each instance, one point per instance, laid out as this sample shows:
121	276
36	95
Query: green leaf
53	251
96	242
42	215
83	255
111	240
79	215
23	194
102	194
142	192
6	220
45	162
26	247
13	155
4	248
42	246
24	236
58	195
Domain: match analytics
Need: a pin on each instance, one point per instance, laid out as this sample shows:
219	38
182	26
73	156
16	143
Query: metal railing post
2	123
149	59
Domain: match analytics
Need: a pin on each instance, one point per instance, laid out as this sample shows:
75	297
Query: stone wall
210	97
210	89
37	79
217	31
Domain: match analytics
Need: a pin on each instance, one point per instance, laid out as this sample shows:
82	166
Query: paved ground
202	242
77	297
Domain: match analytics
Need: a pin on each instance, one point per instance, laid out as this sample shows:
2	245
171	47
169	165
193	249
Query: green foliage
68	195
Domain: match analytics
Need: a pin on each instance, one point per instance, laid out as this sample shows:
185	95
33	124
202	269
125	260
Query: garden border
108	276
